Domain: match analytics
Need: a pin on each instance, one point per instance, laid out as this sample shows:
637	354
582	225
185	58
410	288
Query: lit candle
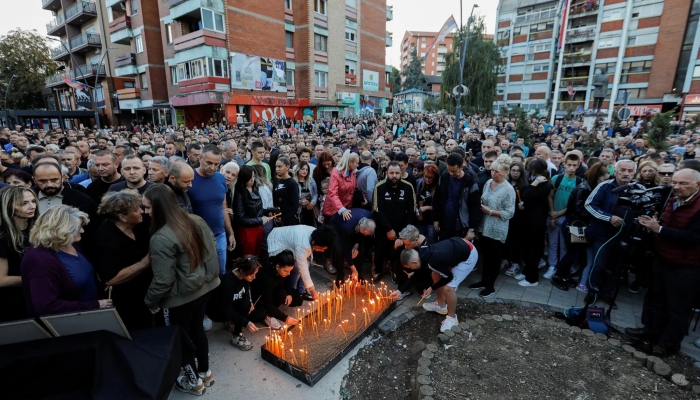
291	338
302	357
354	322
301	328
341	328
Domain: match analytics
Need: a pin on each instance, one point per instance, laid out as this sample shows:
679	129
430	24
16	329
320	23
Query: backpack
558	183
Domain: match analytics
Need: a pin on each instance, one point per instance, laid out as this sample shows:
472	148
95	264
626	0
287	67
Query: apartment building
645	45
81	50
195	61
434	61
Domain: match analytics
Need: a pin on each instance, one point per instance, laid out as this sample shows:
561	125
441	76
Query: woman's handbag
578	233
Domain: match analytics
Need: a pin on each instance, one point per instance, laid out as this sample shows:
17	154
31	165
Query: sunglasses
666	173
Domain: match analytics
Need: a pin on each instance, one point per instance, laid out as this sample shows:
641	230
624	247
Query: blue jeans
296	281
221	247
428	230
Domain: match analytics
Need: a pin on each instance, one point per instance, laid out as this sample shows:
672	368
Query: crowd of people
176	226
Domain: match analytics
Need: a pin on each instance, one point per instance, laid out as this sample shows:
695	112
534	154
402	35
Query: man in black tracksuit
457	205
394	208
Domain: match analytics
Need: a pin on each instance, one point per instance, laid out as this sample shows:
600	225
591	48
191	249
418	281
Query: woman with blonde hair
647	174
18	214
56	276
342	187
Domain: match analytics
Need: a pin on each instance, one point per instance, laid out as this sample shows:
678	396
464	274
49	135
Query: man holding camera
676	270
608	220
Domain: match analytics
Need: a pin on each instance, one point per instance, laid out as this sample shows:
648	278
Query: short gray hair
163	161
368	225
410	232
627	161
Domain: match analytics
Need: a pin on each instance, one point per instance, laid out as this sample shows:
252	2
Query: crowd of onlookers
176	226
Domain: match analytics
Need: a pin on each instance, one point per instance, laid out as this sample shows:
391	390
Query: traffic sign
623	113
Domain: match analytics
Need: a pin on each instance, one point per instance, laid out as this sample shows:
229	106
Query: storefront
263	109
691	106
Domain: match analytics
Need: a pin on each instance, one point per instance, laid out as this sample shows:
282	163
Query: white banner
370	80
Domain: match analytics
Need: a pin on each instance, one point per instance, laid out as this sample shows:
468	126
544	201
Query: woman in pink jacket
342	187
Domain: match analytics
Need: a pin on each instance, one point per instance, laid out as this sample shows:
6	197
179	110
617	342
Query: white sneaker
273	323
542	264
207	324
435	307
183	384
448	323
525	283
519	277
513	270
207	378
504	264
550	273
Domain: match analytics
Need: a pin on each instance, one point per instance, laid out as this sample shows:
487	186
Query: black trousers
242	306
598	103
491	250
279	296
533	246
383	249
669	302
190	317
342	241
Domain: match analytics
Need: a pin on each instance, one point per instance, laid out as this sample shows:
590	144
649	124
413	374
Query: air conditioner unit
339	95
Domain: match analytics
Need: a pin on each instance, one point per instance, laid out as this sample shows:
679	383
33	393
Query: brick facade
668	48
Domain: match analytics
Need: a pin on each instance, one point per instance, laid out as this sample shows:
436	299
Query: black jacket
469	211
440	258
248	208
268	284
220	304
394	208
75	198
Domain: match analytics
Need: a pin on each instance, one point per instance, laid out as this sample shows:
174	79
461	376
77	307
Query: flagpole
562	39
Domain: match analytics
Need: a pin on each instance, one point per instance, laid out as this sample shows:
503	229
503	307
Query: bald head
542	153
366	157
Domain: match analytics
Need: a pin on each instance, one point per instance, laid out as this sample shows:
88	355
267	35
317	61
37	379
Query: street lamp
7	90
461	90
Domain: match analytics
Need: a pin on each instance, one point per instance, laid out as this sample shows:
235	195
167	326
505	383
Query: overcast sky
420	15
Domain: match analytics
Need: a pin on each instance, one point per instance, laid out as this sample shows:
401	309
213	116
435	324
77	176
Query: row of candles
324	312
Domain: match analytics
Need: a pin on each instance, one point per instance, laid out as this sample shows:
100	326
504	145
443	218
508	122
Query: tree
431	104
413	77
482	61
395	80
26	55
523	127
660	130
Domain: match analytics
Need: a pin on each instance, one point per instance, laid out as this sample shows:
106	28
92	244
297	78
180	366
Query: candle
354	322
325	324
291	338
316	329
302	357
281	353
341	328
301	328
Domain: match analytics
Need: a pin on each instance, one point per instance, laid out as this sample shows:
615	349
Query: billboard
370	80
258	73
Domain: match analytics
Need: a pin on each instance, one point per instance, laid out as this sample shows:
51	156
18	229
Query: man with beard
180	180
133	171
51	191
194	154
158	169
107	166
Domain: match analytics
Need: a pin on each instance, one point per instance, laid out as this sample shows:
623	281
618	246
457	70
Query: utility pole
462	55
7	90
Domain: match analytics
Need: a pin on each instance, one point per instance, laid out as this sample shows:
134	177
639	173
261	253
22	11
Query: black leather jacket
248	208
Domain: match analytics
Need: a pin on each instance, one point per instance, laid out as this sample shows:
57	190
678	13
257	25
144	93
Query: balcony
57	27
199	38
112	3
389	39
89	70
567	105
583	57
575	81
536	16
129	93
60	53
81	12
583	8
125	65
120	30
51	5
389	13
85	43
581	34
57	79
180	8
351	79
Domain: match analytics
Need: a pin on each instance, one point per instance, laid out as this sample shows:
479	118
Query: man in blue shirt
208	197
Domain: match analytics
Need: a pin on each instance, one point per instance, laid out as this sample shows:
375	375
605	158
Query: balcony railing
58	21
173	3
86	39
583	7
584	32
389	13
59	51
57	79
79	8
50	4
574	81
570	105
577	58
89	70
350	79
536	16
123	60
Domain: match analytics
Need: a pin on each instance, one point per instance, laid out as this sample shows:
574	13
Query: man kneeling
450	261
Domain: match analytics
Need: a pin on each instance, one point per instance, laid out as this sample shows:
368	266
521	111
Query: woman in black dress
517	228
285	193
122	259
18	212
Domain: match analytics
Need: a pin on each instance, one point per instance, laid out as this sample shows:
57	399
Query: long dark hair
537	167
520	182
320	172
434	172
594	173
245	174
166	211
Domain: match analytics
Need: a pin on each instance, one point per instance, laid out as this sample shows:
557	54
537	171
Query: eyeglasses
666	173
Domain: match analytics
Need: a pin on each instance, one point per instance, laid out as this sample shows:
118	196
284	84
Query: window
134	7
144	81
519	30
606	42
288	4
290	77
320	42
321	78
696	71
129	85
503	35
350	34
216	67
320	6
169	33
538	68
612	15
537	48
202	67
139	44
632	40
422	45
519	50
350	67
173	73
351	3
212	21
422	55
289	40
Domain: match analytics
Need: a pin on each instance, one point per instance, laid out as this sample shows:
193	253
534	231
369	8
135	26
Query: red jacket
679	240
340	192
